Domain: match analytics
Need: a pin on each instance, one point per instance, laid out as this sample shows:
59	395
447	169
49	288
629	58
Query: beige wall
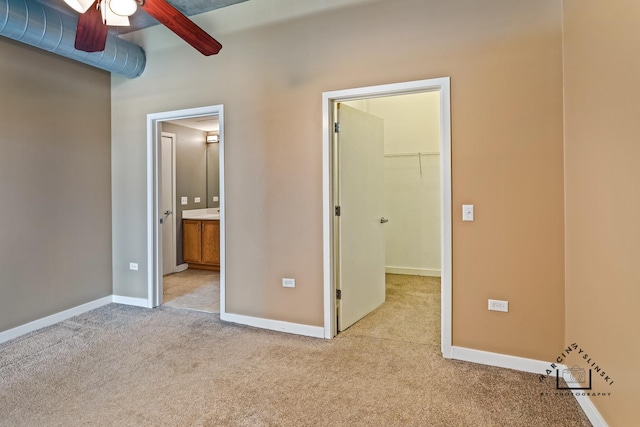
55	198
504	59
602	100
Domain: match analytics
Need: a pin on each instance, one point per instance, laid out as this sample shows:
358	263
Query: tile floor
193	289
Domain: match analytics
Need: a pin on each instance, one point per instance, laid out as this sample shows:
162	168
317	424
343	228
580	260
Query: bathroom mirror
213	175
197	157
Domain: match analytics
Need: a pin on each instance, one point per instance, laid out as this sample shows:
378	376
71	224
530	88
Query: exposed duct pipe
31	22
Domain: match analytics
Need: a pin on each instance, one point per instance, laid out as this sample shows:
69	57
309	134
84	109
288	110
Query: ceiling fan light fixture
123	7
80	6
111	19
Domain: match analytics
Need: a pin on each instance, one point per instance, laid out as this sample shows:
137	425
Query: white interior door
361	264
167	204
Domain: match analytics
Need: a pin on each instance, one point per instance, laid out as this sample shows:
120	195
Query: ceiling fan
97	15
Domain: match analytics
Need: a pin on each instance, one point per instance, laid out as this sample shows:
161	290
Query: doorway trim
154	236
329	256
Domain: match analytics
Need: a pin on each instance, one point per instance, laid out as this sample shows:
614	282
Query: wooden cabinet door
211	242
191	240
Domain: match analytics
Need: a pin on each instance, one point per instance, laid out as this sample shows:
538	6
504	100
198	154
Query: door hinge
337	210
338	294
336	127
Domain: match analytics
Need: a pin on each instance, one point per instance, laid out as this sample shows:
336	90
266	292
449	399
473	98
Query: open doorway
388	146
186	208
190	212
353	174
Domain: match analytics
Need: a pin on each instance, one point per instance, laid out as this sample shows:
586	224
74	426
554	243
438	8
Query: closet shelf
422	153
418	155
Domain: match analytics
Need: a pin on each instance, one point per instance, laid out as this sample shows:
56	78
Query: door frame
330	257
174	264
154	235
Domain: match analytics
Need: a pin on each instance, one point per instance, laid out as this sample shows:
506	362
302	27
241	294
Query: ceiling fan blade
173	19
91	35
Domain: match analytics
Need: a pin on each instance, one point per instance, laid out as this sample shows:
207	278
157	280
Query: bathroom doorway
187	198
193	144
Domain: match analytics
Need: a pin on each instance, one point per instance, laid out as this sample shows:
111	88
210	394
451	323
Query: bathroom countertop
202	214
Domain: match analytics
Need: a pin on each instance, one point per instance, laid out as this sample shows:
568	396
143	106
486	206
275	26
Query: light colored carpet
128	366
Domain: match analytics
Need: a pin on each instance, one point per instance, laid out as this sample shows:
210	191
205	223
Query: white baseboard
591	411
182	267
275	325
138	302
413	271
525	365
499	360
53	319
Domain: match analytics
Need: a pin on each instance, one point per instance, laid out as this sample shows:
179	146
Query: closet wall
412	180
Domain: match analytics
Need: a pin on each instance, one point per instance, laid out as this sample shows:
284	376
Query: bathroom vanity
201	239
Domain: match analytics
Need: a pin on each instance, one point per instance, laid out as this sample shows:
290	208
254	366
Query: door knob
167	213
383	220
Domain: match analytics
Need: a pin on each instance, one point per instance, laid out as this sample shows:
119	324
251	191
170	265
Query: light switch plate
467	212
184	200
288	283
197	200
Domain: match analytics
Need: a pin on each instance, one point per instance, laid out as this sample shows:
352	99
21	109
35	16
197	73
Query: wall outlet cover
133	266
197	200
467	212
184	200
288	283
498	305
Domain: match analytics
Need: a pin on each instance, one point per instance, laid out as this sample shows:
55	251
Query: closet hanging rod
424	153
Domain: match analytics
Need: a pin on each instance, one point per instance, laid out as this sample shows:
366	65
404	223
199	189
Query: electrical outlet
197	200
133	266
288	283
215	198
497	305
184	201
